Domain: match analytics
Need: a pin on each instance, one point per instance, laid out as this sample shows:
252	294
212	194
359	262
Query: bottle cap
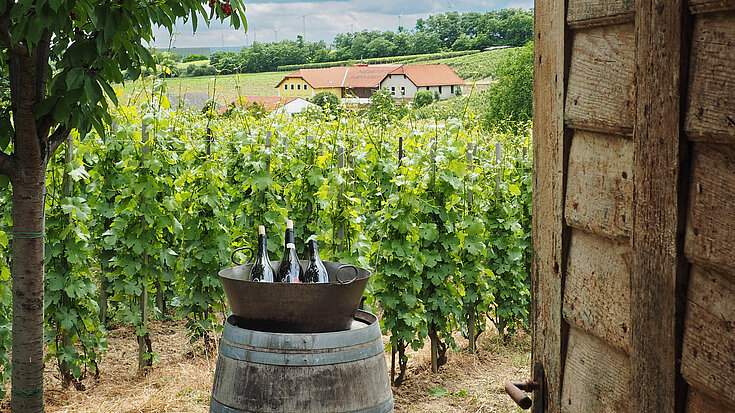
289	224
261	229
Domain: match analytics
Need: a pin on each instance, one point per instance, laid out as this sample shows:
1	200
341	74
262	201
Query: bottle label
291	245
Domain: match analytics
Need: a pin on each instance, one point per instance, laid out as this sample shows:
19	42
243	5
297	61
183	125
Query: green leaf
75	78
92	90
439	391
79	173
514	189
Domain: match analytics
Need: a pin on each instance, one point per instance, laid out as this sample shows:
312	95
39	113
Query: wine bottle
315	271
262	270
289	269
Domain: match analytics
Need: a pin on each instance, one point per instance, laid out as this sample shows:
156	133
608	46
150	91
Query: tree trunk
28	270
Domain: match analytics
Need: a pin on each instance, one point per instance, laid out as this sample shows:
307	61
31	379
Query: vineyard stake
471	309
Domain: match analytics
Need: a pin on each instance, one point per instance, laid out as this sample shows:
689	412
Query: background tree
60	71
423	98
512	96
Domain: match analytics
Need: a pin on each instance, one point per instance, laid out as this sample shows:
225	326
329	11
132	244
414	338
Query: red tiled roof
366	76
429	75
350	77
371	76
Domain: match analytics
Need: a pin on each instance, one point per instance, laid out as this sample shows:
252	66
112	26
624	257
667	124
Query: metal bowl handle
252	254
336	276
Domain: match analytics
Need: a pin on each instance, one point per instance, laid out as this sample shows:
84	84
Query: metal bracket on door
516	390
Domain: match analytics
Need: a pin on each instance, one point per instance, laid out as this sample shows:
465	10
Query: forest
445	32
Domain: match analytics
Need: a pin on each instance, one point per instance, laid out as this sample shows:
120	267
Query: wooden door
634	206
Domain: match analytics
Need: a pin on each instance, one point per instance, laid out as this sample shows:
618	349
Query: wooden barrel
343	371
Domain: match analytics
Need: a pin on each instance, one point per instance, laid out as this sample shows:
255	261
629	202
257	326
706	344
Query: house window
285	87
392	90
305	86
298	87
403	90
440	89
292	86
451	89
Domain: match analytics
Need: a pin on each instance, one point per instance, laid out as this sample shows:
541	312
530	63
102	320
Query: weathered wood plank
708	356
589	13
600	92
596	376
710	6
700	402
600	184
710	233
597	288
659	266
548	196
710	116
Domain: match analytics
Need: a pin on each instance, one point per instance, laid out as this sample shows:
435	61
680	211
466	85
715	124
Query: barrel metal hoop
230	350
384	407
300	341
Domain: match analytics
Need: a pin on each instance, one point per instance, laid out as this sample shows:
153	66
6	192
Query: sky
284	19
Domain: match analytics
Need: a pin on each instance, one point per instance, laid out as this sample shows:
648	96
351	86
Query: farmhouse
361	81
406	80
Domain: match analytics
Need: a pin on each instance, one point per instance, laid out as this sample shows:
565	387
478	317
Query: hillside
477	66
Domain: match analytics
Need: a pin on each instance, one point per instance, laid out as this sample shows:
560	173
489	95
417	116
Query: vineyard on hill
140	220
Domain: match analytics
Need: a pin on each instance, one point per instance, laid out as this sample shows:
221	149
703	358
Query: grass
227	88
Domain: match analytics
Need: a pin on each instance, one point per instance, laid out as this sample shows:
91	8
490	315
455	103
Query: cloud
282	19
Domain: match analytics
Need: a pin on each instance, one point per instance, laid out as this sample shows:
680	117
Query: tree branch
5	27
7	165
43	50
53	142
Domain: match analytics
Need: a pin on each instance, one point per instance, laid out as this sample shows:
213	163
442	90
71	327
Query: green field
475	66
227	88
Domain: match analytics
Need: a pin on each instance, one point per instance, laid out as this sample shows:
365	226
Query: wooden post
309	205
341	228
392	366
210	138
143	340
434	355
548	195
68	186
400	151
498	157
471	307
659	266
268	135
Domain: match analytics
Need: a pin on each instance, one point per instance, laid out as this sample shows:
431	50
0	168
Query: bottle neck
262	247
313	251
289	237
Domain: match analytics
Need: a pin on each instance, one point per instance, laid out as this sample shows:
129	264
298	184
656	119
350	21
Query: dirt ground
181	381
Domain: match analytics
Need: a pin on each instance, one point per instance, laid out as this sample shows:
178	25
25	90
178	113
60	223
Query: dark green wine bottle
262	270
289	269
315	271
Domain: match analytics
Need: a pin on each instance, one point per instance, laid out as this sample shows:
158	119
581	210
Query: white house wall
394	84
445	93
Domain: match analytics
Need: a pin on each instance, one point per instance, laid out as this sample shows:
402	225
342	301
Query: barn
634	206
